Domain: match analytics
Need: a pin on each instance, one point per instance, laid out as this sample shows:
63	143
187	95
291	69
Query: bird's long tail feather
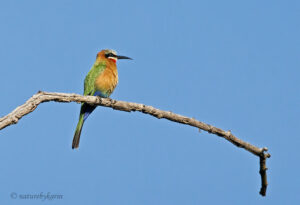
76	138
85	111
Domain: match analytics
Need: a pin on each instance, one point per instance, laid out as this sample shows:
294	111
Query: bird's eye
108	55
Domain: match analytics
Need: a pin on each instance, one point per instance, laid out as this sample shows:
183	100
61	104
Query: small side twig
31	104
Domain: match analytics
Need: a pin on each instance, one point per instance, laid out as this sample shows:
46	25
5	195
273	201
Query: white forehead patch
111	51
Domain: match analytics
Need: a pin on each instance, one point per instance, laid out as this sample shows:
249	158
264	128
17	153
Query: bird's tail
76	137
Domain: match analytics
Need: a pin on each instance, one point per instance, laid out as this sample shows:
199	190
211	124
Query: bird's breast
107	81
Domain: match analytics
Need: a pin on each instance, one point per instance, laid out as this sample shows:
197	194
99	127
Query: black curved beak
123	57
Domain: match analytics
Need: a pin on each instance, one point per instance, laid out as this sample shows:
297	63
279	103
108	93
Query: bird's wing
89	81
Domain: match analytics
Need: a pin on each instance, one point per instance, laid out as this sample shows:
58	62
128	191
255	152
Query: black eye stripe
109	55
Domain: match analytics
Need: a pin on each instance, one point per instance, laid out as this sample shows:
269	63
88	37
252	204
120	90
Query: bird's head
110	55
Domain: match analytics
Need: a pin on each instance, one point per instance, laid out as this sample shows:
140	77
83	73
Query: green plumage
89	81
89	89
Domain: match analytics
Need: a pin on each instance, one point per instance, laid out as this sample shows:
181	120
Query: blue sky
232	64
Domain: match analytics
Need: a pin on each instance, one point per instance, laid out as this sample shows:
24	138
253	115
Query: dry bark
42	97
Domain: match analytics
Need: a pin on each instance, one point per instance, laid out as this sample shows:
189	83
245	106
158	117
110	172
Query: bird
101	81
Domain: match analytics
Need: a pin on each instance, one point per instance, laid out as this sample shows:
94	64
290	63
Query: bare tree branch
41	97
